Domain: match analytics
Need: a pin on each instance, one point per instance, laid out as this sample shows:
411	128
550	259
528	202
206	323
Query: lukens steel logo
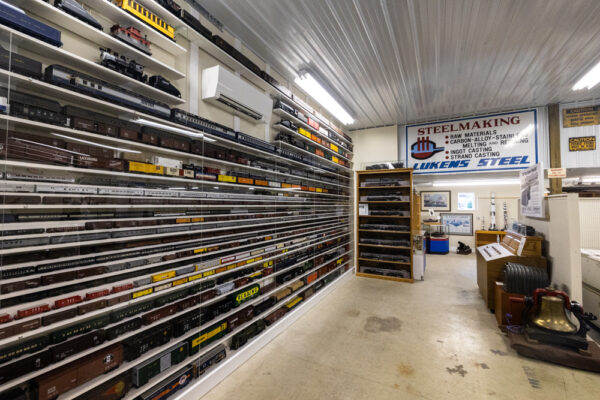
424	148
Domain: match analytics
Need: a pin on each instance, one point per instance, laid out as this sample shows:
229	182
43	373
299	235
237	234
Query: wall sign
557	173
581	116
532	191
458	224
466	201
489	143
582	143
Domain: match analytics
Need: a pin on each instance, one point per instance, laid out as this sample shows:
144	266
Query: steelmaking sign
495	142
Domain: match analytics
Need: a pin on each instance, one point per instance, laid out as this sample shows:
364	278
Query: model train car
75	9
20	64
162	84
122	65
148	17
132	37
16	18
74	80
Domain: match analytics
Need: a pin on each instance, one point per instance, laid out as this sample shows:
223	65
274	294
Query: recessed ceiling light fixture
590	79
317	92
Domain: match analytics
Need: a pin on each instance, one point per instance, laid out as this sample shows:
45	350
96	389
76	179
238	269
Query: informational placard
556	173
532	191
581	116
582	143
363	209
488	143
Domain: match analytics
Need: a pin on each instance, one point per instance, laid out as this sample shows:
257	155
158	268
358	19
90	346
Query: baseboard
202	386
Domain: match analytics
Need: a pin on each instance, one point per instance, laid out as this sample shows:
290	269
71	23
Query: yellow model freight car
140	12
144	168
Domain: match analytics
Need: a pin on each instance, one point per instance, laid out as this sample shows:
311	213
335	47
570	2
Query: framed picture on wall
436	201
458	224
465	201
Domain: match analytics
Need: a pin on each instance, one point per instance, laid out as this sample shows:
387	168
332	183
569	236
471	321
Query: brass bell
551	315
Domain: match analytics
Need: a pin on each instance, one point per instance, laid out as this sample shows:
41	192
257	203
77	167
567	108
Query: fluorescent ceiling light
317	92
590	79
479	182
170	128
48	146
590	179
96	144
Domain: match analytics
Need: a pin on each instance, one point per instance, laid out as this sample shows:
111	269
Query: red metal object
5	318
313	123
95	295
67	301
117	289
32	311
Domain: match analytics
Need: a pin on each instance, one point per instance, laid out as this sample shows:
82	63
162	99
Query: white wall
504	193
589	220
579	159
373	145
561	230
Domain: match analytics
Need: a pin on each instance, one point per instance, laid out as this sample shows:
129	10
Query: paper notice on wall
363	209
532	191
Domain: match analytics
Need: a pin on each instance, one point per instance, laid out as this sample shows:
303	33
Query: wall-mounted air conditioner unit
227	90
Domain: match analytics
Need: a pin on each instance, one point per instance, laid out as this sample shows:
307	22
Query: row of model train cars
134	38
65	378
71	79
179	263
124	282
53	150
51	112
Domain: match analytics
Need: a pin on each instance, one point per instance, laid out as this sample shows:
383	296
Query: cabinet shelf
309	141
378	178
297	149
109	10
382	231
388	278
383	187
384	216
161	178
61	56
285	115
384	261
102	39
383	246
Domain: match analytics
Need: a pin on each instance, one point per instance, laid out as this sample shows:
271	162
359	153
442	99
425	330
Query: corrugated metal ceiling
398	61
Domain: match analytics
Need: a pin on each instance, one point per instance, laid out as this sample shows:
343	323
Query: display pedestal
438	245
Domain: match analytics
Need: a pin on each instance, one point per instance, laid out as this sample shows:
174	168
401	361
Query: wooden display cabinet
526	250
484	237
385	221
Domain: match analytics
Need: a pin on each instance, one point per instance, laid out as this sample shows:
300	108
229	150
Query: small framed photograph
436	201
458	224
466	202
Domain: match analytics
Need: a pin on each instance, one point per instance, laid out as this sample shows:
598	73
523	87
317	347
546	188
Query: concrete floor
373	339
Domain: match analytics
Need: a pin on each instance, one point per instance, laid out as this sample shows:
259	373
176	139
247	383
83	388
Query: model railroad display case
140	243
384	227
492	258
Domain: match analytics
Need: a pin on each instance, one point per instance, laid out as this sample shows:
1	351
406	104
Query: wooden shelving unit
486	237
383	252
